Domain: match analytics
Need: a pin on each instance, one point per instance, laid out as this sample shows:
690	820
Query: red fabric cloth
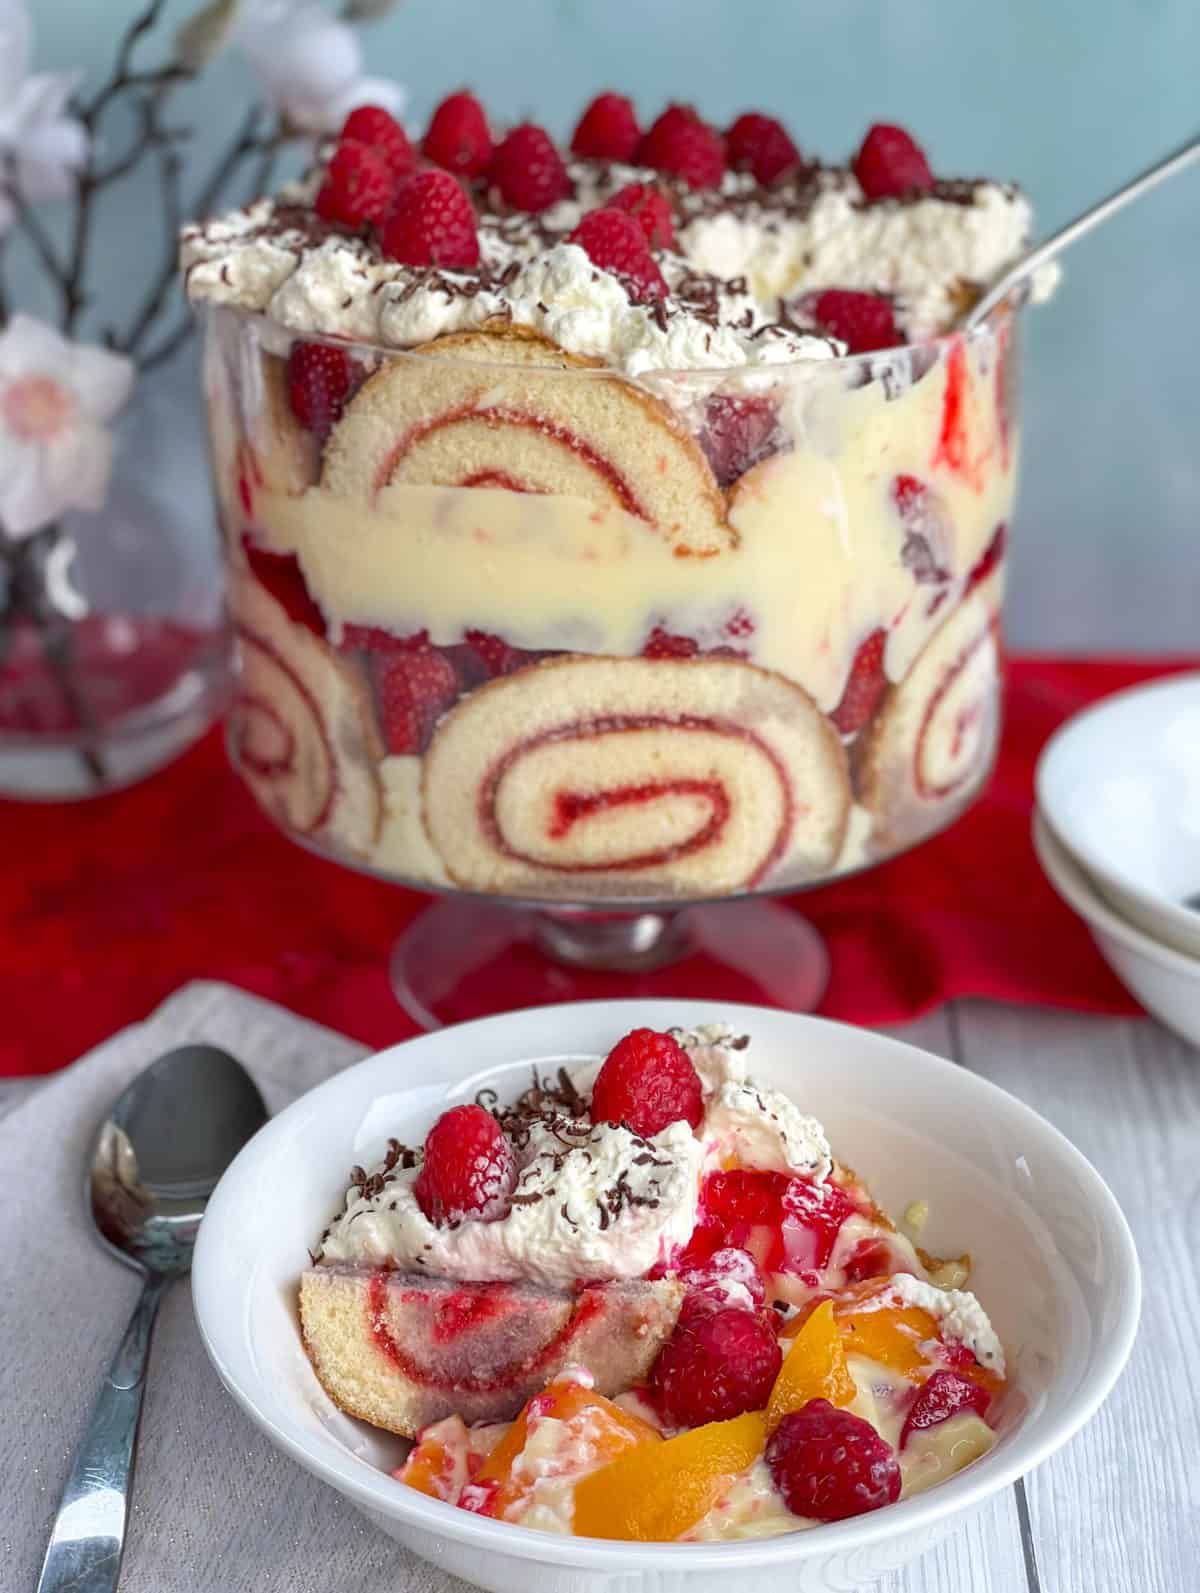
107	906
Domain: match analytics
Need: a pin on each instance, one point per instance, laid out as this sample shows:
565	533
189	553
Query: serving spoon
1065	236
155	1162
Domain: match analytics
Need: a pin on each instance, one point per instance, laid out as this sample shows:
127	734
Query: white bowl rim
376	1492
1070	879
1080	847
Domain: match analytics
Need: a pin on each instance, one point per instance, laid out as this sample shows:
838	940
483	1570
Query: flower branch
58	396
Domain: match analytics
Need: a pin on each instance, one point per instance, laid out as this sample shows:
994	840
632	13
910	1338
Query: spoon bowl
156	1159
161	1150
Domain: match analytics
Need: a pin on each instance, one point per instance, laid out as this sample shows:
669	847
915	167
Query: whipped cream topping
759	1126
312	278
817	230
960	1314
592	1200
748	257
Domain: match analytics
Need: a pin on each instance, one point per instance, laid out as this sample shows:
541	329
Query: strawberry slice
865	687
413	688
944	1395
812	1218
280	573
989	558
870	1258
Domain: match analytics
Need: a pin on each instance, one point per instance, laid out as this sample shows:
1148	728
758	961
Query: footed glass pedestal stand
466	958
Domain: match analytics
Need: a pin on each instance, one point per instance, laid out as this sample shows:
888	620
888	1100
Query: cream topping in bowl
592	1200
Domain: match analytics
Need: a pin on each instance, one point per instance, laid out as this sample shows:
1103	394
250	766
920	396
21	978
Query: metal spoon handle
88	1536
1067	235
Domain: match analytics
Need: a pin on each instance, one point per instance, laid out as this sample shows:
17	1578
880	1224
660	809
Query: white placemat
216	1509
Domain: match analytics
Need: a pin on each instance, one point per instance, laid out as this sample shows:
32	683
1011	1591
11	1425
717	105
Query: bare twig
170	172
30	225
168	345
122	73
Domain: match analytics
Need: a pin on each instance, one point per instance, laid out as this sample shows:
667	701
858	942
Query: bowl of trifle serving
614	526
589	1293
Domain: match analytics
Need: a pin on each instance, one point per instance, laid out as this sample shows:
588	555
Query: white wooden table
1118	1510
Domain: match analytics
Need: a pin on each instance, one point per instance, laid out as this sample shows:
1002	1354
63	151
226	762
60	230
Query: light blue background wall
1066	96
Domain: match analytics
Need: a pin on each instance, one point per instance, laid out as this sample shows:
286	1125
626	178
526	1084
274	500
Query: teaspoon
155	1162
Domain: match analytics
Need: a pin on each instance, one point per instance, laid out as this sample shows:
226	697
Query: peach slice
654	1493
901	1336
815	1368
437	1464
895	1336
607	1430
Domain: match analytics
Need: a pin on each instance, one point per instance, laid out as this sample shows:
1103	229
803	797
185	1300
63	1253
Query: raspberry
829	1464
528	170
607	130
681	144
281	575
739	431
714	1366
358	186
742	1197
413	688
943	1396
647	1081
862	321
812	1218
730	1277
458	137
468	1170
374	639
665	644
320	378
432	223
891	163
651	209
495	656
371	124
761	145
615	242
864	688
988	559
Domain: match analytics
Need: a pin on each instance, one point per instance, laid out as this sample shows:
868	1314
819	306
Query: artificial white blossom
309	64
56	400
41	145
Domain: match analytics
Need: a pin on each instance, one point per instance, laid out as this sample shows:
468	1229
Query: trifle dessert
647	1302
623	520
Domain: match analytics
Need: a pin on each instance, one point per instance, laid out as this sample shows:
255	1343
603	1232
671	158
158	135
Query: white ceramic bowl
1120	787
1055	1265
1165	981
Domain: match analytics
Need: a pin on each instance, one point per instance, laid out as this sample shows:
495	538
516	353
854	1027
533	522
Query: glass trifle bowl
583	652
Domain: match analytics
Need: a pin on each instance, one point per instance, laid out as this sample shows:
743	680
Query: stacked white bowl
1117	831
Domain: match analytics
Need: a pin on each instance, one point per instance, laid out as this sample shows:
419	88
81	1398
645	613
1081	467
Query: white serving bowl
1055	1266
1120	787
1165	981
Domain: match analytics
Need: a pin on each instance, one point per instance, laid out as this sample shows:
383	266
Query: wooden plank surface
1118	1510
